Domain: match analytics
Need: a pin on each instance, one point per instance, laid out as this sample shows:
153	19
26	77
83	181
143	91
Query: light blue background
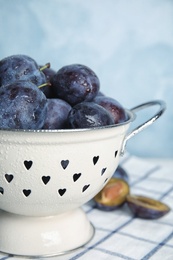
128	43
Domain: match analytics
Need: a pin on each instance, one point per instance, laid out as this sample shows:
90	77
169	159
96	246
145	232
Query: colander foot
44	236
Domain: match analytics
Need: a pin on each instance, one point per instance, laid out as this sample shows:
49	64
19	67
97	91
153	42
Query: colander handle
162	107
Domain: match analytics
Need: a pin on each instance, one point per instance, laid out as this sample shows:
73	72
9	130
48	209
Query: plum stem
47	65
45	84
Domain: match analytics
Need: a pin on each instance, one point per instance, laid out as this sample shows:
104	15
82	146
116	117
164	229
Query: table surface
118	234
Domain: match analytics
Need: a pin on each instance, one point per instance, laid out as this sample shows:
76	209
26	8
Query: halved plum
113	195
146	208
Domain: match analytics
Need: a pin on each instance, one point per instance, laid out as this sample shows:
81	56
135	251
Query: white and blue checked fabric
118	235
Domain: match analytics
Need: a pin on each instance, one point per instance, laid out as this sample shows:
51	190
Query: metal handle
162	107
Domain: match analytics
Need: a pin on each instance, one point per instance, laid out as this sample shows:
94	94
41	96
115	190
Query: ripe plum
22	106
146	208
113	195
89	114
114	107
20	67
75	83
57	113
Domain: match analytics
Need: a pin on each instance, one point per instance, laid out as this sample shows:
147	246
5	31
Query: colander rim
130	113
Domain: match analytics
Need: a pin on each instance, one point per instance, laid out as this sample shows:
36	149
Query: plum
75	83
22	106
113	195
146	208
57	114
114	107
87	115
20	67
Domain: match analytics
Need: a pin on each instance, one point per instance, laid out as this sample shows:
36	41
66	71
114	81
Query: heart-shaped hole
106	180
95	159
103	171
26	192
1	190
64	164
85	187
9	177
76	176
27	164
45	179
61	192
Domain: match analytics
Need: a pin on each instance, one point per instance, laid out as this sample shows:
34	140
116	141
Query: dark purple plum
146	208
20	67
57	113
75	83
114	107
89	114
22	106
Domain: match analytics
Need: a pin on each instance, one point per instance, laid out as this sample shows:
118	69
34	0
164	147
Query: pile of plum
38	97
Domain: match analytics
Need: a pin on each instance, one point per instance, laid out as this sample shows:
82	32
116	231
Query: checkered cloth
118	235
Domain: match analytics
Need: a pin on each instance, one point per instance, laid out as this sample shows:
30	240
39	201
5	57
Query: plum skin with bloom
75	83
22	106
88	115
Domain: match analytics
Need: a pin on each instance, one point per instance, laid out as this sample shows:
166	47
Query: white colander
45	176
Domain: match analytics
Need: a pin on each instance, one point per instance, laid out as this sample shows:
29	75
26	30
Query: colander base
44	236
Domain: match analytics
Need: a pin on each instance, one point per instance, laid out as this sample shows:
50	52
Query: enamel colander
45	177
